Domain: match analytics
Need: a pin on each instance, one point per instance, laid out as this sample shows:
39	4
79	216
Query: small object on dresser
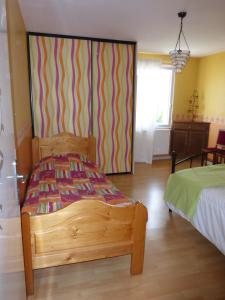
193	105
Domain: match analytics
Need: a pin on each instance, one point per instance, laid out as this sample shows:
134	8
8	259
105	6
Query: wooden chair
218	152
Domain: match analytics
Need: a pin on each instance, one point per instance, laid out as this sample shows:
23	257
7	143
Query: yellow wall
211	86
185	83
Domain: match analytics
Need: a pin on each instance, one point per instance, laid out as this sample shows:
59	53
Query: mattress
59	180
209	216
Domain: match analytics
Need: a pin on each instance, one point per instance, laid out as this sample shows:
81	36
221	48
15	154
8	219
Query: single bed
207	213
66	231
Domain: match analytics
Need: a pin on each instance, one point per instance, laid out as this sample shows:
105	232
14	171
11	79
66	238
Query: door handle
19	177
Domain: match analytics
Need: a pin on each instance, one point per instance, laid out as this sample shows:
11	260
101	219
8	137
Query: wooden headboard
63	143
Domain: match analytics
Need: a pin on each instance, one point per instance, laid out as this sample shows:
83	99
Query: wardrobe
87	87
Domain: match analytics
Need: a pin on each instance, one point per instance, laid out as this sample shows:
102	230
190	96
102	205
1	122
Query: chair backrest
221	138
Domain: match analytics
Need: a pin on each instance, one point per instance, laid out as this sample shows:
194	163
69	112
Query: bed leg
25	220
139	228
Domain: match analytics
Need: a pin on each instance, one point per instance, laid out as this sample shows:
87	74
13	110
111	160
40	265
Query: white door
12	284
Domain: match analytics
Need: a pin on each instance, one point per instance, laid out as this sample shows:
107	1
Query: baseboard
161	157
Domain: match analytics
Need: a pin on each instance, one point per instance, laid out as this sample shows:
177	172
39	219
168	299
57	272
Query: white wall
161	142
12	285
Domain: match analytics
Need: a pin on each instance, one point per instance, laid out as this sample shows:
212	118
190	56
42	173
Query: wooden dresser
189	137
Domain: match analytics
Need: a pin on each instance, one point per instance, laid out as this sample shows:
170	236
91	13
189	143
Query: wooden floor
180	264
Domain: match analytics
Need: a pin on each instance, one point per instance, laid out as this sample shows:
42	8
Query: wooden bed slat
83	254
27	253
63	143
139	230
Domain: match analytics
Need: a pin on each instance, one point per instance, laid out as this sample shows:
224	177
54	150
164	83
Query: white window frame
165	126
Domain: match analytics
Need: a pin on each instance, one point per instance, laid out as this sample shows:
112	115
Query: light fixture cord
181	32
185	40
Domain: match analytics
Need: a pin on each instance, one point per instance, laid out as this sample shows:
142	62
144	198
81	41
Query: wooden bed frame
175	162
85	230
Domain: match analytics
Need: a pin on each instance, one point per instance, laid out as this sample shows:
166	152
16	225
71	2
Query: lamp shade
179	59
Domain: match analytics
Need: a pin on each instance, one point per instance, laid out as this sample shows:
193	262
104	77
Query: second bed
198	195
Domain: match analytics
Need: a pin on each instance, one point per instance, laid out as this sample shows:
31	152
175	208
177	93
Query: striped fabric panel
61	85
113	105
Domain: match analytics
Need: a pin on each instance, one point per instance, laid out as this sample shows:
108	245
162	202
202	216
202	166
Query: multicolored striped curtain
85	87
113	105
61	85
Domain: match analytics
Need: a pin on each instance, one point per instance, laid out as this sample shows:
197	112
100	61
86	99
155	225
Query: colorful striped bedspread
60	180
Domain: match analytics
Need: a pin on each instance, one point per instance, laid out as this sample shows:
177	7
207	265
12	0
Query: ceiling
153	23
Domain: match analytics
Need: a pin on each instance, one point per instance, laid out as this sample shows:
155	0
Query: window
154	94
154	99
164	96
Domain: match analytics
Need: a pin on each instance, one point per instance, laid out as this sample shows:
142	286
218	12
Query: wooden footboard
83	231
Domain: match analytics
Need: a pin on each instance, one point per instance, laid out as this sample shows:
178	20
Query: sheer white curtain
148	79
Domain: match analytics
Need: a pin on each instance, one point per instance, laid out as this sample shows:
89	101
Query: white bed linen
209	217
